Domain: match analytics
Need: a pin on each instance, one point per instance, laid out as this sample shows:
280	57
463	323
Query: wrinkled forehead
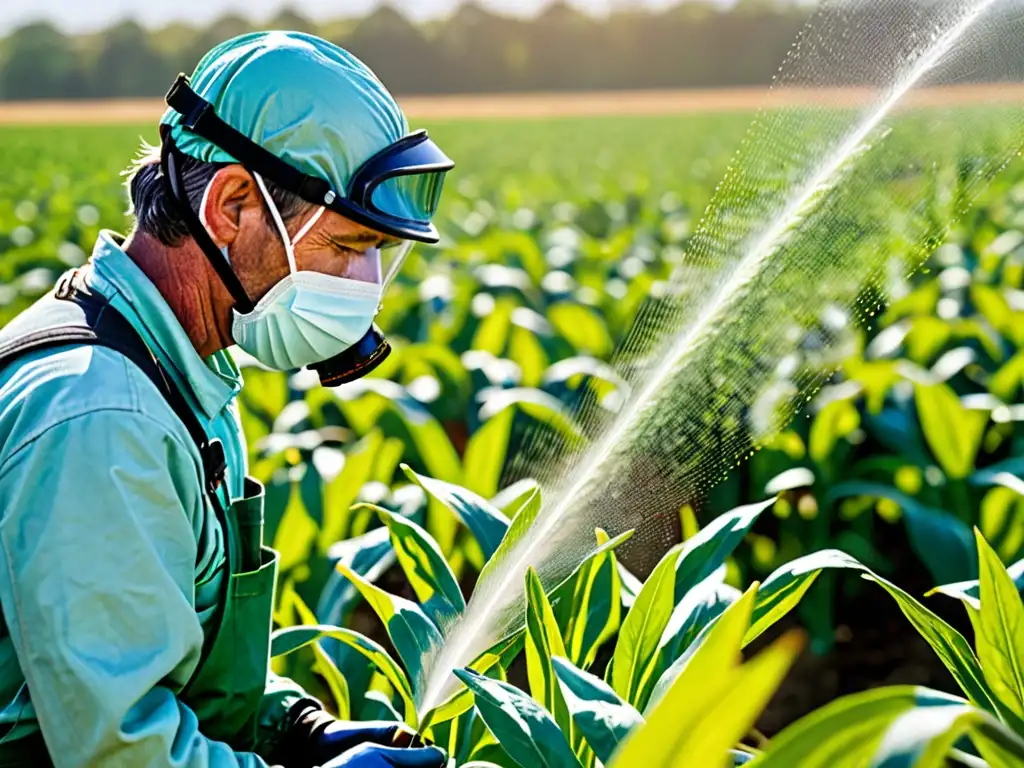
350	233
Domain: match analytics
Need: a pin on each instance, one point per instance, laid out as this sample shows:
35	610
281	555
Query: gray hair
156	214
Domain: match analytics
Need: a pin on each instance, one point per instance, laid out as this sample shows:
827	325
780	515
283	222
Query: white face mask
308	317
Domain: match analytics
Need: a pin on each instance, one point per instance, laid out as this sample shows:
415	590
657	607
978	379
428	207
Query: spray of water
807	216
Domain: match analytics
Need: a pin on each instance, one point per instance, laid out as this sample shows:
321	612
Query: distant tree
397	51
693	44
222	29
483	51
568	50
291	19
39	63
127	65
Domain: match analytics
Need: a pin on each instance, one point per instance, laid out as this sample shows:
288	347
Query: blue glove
373	756
315	738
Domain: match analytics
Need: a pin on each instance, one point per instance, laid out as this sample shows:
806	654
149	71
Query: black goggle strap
172	176
199	117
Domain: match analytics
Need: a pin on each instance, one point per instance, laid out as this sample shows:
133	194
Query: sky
79	16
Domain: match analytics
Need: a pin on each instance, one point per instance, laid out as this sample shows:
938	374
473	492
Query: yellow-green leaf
543	641
291	639
642	628
412	633
953	432
1000	640
425	567
596	608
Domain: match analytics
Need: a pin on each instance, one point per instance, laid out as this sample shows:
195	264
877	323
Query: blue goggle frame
412	169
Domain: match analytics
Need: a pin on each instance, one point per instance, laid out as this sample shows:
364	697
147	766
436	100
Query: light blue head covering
308	101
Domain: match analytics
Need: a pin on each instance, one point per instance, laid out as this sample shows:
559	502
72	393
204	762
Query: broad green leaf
714	653
323	665
491	663
992	304
364	400
924	737
698	608
525	730
950	646
847	732
296	534
784	588
487	524
1000	639
600	549
285	641
1001	747
377	706
540	406
832	423
492	333
704	552
528	353
487	749
596	607
694	560
688	522
511	498
521	523
583	328
942	541
702	715
953	432
484	458
543	641
412	633
725	719
341	491
602	717
1001	517
970	591
336	682
1007	381
368	555
425	567
643	626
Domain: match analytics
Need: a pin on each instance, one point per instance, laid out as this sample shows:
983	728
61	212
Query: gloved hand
372	756
315	738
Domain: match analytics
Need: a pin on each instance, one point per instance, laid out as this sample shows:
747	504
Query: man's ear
230	197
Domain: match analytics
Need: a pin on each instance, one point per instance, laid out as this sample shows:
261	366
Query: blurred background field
554	231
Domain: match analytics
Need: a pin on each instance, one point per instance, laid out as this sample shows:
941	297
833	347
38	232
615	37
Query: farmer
136	594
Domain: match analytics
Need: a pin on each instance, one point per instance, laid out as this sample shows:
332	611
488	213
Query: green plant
683	633
922	728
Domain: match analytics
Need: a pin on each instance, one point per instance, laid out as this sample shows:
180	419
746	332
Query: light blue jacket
110	560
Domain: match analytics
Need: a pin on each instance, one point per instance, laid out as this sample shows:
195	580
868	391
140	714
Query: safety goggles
396	191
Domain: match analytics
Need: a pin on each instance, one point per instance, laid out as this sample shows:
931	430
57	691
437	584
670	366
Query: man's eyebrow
359	238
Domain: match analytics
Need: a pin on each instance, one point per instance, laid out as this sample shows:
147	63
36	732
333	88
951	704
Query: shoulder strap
95	322
99	324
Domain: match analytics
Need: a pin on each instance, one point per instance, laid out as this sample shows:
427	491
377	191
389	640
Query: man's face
334	246
236	215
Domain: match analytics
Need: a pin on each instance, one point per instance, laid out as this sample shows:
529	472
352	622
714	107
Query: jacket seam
28	442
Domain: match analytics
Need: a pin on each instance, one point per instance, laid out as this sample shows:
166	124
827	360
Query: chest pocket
225	691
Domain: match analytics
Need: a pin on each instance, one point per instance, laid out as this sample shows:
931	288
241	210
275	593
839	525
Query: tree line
692	45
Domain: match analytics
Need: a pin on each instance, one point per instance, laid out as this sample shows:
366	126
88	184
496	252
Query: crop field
388	496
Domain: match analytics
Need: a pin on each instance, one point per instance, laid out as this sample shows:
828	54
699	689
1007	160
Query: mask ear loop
289	244
206	226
